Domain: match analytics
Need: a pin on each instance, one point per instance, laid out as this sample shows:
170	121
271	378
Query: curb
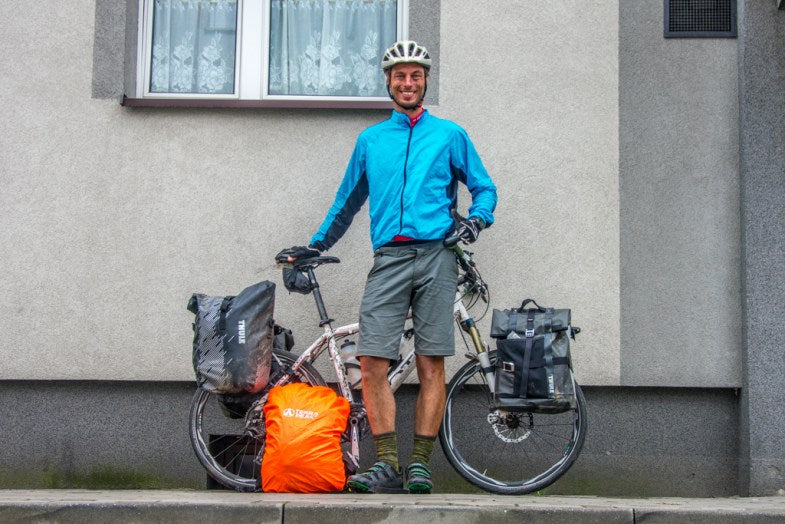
85	506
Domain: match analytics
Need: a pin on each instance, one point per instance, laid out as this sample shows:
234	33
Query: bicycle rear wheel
228	439
506	453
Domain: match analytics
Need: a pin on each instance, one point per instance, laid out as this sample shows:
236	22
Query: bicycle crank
255	427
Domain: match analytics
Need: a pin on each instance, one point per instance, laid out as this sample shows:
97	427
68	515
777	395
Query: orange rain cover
302	453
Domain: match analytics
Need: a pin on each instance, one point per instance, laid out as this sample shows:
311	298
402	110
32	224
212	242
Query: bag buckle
529	333
508	366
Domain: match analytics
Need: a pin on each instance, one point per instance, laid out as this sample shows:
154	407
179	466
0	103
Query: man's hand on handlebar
469	229
296	252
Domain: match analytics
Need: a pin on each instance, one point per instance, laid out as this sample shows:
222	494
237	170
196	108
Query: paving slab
85	506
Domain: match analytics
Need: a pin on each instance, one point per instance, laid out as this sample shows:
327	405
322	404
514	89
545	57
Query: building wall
762	173
114	216
134	435
679	205
616	157
540	99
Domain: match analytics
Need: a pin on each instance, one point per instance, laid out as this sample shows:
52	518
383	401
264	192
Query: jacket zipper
405	162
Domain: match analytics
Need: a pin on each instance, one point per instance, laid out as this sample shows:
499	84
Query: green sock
387	448
423	447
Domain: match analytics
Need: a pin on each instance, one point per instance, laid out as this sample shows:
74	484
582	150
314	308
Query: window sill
252	104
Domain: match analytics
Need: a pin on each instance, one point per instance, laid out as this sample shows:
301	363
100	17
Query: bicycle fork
466	323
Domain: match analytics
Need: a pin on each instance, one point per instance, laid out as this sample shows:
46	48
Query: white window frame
251	59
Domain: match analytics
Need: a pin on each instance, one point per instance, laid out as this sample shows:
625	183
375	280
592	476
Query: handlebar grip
451	241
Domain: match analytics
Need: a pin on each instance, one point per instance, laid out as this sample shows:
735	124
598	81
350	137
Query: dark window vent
700	18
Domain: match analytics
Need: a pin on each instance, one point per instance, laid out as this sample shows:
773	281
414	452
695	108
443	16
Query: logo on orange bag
300	413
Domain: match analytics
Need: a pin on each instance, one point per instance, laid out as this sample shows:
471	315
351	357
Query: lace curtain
330	47
193	46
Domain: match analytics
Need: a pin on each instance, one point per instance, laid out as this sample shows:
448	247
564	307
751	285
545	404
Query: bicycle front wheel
228	437
505	452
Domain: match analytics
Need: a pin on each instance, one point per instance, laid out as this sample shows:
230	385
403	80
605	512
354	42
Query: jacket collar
404	120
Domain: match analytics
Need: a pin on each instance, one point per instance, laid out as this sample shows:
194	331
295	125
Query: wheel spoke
508	453
228	452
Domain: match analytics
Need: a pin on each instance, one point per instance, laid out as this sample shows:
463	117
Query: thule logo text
241	331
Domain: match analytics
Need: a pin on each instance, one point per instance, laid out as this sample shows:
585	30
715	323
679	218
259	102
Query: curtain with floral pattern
193	46
330	47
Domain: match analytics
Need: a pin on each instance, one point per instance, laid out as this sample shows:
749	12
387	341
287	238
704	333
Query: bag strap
512	321
225	304
521	385
547	321
530	301
549	353
557	361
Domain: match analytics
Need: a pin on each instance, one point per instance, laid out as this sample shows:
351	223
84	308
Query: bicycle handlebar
466	263
305	262
452	241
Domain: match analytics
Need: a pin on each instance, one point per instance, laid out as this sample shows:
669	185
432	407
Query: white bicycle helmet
406	52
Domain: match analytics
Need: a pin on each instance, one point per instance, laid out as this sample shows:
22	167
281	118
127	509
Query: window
192	47
700	18
285	50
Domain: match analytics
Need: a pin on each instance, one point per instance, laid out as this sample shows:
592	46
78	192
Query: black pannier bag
236	406
533	367
233	340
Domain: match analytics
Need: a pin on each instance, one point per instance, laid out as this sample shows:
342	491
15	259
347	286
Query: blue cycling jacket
409	175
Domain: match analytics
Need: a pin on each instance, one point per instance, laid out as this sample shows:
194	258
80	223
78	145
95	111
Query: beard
404	105
411	106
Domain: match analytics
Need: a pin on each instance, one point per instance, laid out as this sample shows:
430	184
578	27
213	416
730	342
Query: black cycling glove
469	229
296	253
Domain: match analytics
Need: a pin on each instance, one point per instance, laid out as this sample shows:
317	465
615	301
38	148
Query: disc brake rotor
508	427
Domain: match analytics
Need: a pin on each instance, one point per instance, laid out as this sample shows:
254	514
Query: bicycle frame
400	371
549	442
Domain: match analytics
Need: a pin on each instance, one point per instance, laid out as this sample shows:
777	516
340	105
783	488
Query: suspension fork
466	323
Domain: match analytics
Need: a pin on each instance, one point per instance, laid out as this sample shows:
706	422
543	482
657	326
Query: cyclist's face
407	85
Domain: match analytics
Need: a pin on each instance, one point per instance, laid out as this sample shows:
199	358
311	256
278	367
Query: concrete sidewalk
85	506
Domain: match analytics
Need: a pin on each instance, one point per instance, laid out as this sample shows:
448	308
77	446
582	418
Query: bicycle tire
218	433
518	455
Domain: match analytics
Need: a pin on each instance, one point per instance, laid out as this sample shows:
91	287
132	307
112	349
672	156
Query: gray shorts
422	277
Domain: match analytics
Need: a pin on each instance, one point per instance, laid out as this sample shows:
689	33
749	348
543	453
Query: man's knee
430	368
374	368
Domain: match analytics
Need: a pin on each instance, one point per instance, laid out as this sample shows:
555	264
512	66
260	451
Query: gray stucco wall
134	434
114	216
616	155
762	105
536	85
679	205
111	34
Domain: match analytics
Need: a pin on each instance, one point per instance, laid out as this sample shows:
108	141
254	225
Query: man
408	168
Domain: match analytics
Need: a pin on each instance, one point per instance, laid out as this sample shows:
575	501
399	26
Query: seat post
317	295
